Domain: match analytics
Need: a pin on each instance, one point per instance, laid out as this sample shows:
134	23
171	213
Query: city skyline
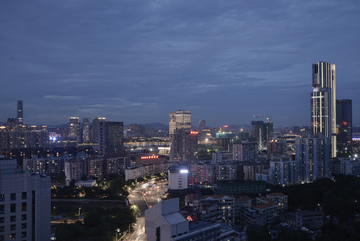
136	61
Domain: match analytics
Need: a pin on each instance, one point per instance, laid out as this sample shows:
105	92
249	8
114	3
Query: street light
117	231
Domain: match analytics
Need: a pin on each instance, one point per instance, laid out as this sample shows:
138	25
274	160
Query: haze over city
134	61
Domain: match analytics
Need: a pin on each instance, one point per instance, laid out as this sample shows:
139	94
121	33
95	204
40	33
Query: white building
164	222
25	204
178	177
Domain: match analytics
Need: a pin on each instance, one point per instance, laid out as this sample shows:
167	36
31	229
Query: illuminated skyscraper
19	111
86	129
74	128
323	102
180	119
184	147
344	126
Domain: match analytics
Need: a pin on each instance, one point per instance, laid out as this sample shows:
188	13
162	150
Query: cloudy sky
134	61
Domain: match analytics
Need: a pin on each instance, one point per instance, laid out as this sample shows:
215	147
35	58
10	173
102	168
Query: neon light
184	171
194	132
149	157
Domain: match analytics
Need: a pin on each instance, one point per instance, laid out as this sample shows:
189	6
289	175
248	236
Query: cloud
56	97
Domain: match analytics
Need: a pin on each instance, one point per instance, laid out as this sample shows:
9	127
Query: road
143	196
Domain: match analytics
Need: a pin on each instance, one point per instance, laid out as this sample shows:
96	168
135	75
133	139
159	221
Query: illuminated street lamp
117	231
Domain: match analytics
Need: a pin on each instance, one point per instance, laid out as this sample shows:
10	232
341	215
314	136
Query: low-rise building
279	198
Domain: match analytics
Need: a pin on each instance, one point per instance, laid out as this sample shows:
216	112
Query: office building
344	127
110	137
178	177
74	128
180	119
313	156
95	128
184	146
86	129
323	102
20	113
25	204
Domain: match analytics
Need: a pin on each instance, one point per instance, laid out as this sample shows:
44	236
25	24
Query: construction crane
257	117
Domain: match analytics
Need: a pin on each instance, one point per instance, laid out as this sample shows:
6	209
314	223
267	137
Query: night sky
134	61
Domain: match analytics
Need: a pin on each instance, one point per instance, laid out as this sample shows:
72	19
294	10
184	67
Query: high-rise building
25	204
74	127
344	127
284	170
95	128
20	113
268	128
245	151
313	154
86	129
110	137
323	102
184	146
257	131
202	126
180	119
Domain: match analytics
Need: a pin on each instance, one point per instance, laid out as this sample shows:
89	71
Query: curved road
144	196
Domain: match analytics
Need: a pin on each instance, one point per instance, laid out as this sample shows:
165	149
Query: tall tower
180	119
313	154
110	137
86	129
19	112
344	127
183	148
323	102
74	127
95	128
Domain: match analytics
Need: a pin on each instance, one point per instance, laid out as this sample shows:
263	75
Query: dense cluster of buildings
242	163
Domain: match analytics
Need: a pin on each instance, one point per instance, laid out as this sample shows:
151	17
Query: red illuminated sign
149	157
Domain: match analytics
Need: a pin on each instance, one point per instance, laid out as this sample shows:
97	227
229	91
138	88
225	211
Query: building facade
180	119
184	146
110	137
323	102
344	127
25	204
74	128
20	113
86	129
313	154
245	151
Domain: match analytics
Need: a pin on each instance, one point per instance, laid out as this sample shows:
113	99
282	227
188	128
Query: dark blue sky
134	61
